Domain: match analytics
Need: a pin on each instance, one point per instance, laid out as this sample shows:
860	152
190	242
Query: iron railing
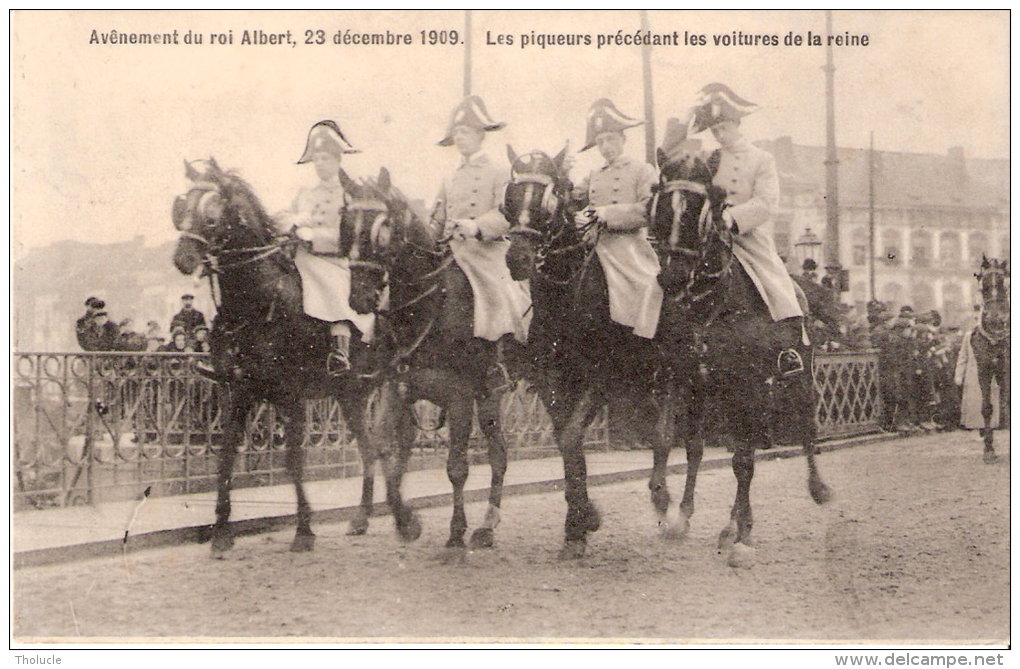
92	427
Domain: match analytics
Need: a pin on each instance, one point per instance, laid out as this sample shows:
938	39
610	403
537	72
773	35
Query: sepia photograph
479	329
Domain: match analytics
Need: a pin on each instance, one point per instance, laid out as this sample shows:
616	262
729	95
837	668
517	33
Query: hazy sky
99	133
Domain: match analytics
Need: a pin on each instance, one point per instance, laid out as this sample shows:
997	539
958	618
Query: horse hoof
410	529
727	537
573	550
820	493
302	543
454	555
358	527
221	545
990	457
674	527
483	537
741	556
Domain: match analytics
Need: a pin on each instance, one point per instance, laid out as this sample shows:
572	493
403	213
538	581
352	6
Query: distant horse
265	348
990	343
426	335
717	333
577	358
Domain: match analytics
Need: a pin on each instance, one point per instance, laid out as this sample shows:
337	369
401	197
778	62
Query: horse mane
248	204
417	230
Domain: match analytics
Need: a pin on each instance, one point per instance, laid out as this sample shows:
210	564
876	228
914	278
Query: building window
920	251
891	245
860	255
892	293
949	248
978	247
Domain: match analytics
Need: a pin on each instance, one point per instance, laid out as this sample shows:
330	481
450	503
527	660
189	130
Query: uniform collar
329	185
621	161
477	160
740	146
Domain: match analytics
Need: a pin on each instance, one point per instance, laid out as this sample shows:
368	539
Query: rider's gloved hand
584	217
465	228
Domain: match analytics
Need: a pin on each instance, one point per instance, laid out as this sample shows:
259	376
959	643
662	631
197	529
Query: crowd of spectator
97	332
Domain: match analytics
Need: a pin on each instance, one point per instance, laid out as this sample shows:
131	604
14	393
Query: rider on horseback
749	176
617	196
467	212
315	219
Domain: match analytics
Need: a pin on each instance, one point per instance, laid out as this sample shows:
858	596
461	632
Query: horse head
685	219
377	228
993	277
533	203
219	212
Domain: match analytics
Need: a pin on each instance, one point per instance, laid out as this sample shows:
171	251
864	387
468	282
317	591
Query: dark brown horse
577	358
990	343
717	334
265	348
426	336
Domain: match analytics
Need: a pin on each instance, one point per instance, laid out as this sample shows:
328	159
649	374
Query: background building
935	215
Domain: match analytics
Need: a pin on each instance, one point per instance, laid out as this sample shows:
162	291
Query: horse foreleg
369	454
695	448
294	429
459	416
489	420
662	444
987	409
233	434
582	516
394	467
737	534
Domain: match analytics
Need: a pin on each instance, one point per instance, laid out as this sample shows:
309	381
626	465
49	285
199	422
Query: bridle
697	258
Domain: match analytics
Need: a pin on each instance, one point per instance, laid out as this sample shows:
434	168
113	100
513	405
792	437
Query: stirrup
206	370
789	362
337	364
497	378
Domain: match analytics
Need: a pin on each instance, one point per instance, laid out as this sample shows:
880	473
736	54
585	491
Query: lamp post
807	247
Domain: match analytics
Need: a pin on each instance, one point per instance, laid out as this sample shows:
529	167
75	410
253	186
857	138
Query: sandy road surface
915	546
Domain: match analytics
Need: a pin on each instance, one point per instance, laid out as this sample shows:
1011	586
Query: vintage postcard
531	271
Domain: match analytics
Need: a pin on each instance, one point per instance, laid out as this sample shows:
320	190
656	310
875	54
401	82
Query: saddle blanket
501	305
632	269
326	291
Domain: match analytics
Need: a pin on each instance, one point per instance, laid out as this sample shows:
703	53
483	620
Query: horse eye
179	211
382	238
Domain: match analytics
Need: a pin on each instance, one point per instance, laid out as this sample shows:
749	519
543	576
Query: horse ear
558	160
215	166
511	154
660	158
384	180
190	172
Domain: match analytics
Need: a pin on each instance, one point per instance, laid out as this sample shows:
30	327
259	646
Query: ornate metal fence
848	400
99	426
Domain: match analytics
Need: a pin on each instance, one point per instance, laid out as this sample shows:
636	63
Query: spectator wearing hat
616	196
809	270
188	317
314	217
83	326
200	342
467	210
178	342
103	335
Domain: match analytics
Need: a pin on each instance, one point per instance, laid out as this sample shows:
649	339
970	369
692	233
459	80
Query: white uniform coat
752	183
325	276
621	190
474	192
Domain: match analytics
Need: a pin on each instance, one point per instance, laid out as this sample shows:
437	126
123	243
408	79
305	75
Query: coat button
616	202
